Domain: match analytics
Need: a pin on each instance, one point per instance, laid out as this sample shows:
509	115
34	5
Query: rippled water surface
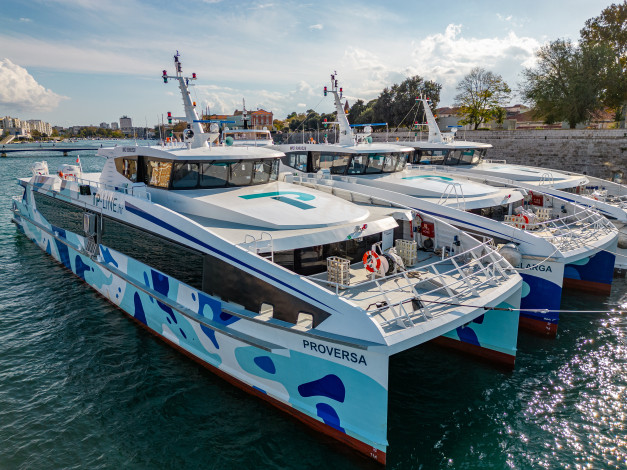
82	387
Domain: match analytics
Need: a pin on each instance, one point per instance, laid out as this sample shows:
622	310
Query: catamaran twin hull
336	384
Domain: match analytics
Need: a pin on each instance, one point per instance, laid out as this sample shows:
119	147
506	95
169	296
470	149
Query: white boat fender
511	254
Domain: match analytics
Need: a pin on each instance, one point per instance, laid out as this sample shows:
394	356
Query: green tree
499	116
568	82
480	93
355	112
609	29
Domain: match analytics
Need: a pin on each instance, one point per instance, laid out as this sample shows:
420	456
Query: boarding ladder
453	189
263	244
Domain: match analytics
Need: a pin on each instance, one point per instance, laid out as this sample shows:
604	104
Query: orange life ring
372	262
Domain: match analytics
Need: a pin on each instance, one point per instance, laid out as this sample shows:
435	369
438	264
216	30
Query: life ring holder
372	261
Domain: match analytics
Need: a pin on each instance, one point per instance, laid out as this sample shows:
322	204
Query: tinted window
357	165
59	213
241	173
454	157
340	162
178	261
214	174
402	161
261	171
434	157
297	160
389	164
375	163
185	175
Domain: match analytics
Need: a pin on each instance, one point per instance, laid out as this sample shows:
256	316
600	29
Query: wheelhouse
462	156
342	162
197	174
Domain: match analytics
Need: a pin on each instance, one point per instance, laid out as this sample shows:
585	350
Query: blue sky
81	62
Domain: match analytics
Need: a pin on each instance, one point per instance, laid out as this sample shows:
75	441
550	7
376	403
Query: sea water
81	386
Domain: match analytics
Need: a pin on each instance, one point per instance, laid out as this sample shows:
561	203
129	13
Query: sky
83	62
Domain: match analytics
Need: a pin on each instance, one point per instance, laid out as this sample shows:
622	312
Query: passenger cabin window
171	258
389	165
60	214
468	157
454	157
402	161
127	167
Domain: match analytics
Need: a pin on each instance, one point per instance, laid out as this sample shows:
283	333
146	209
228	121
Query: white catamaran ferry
558	243
443	153
292	294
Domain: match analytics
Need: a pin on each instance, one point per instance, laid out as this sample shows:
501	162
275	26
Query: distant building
126	125
104	125
260	119
40	126
115	126
15	127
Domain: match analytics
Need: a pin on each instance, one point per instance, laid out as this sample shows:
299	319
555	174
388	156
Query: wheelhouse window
185	175
214	174
454	157
357	165
375	164
430	157
241	173
127	167
402	161
158	173
389	165
470	157
297	160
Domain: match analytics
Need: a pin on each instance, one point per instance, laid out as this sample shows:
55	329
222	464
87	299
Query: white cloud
19	90
316	26
504	18
25	20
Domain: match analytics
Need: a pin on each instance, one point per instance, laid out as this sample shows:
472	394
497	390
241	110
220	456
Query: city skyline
82	62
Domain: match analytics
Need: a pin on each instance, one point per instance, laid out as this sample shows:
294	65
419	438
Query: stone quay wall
599	152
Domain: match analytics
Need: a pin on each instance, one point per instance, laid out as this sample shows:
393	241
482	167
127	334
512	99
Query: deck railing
451	279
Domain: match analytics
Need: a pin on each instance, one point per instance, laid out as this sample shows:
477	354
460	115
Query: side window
275	170
185	175
315	161
298	161
59	213
326	162
178	261
467	156
158	173
214	174
127	167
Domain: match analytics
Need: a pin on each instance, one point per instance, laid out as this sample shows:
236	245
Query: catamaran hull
325	385
594	273
492	336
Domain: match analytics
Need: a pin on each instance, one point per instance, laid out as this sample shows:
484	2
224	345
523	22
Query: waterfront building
126	125
115	126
